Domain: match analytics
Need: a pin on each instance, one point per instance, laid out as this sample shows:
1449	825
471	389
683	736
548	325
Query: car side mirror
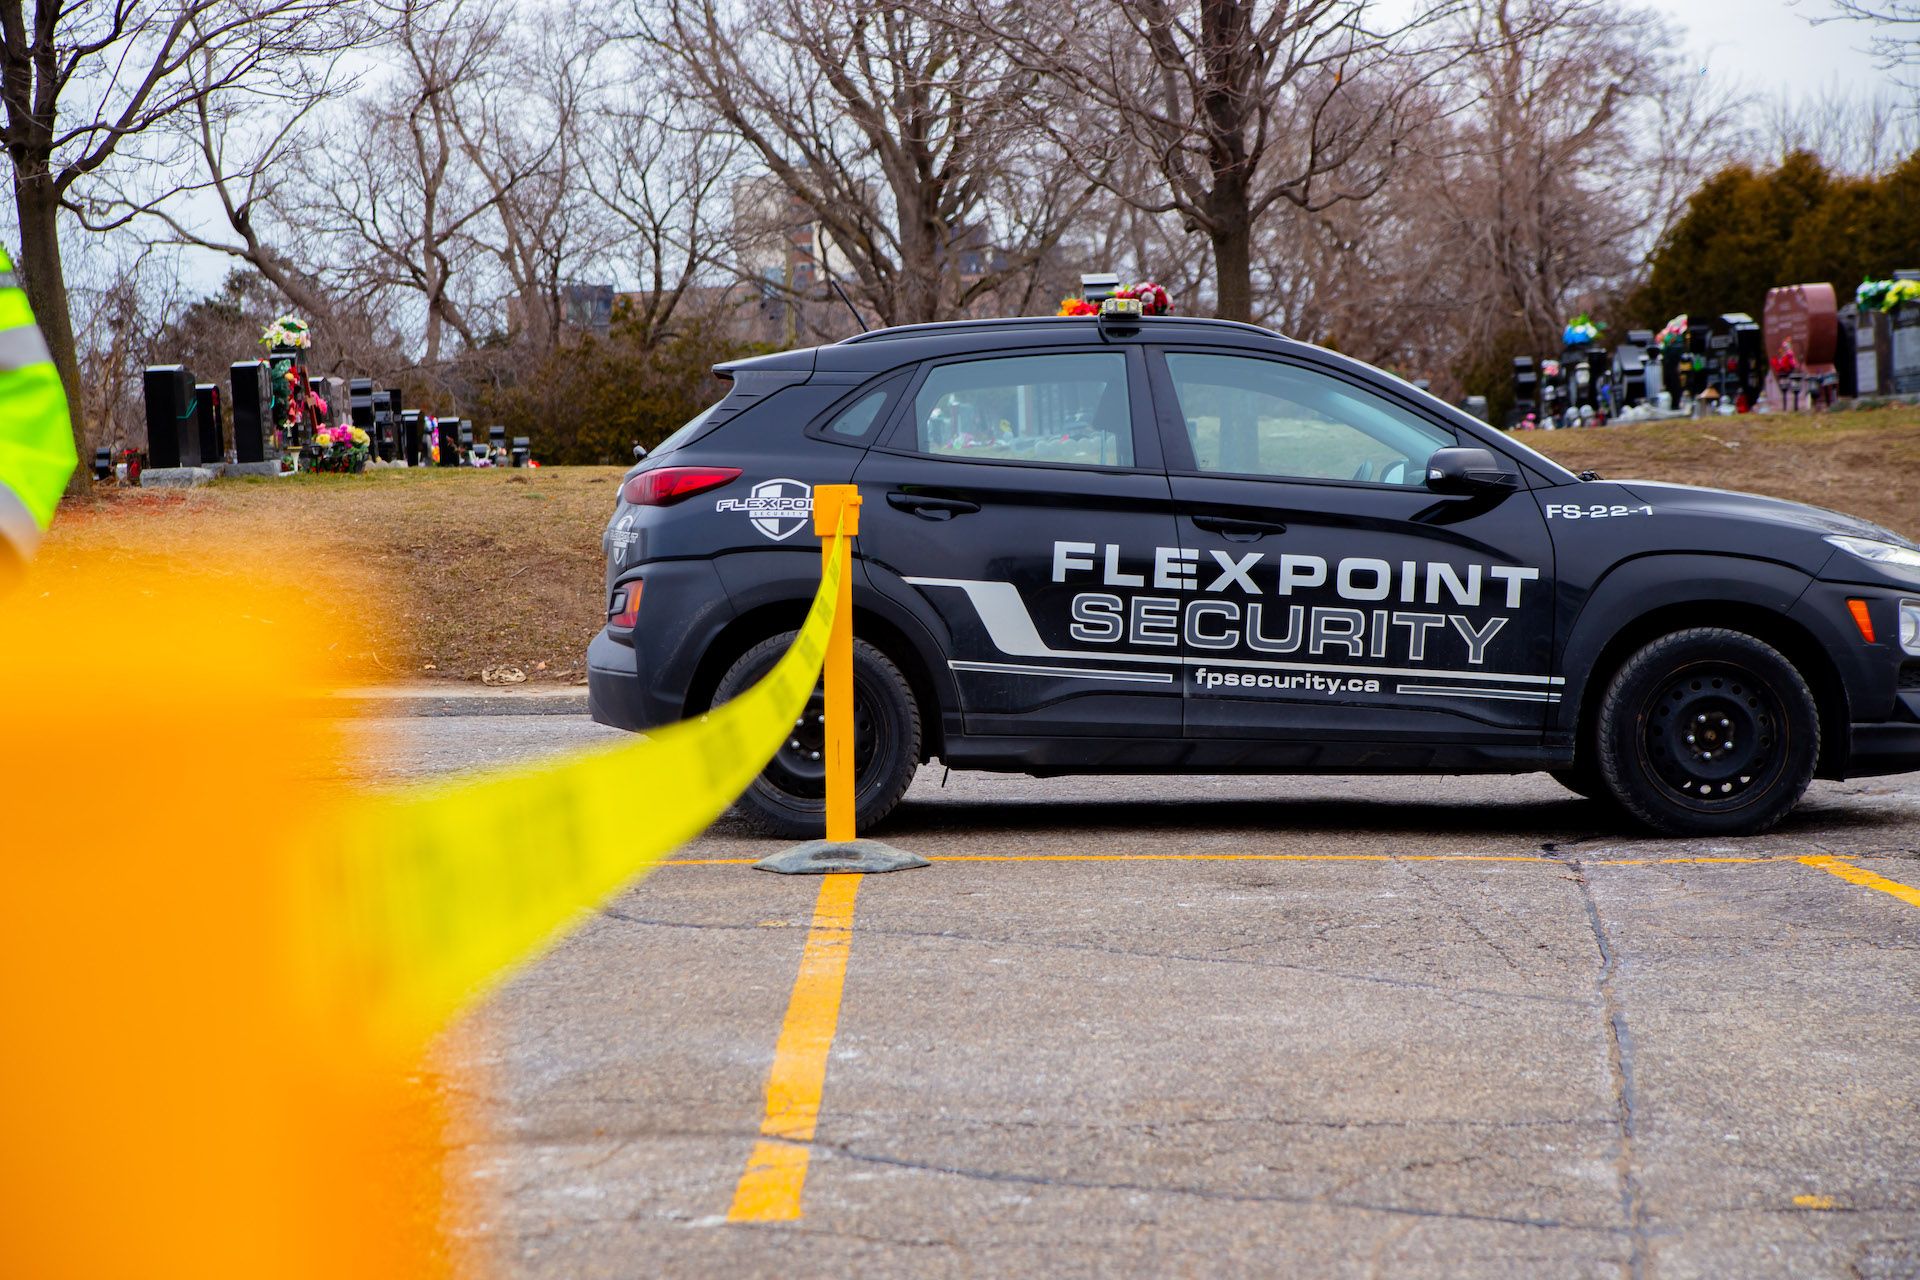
1469	470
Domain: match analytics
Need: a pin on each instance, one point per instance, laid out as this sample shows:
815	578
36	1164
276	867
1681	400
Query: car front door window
1254	417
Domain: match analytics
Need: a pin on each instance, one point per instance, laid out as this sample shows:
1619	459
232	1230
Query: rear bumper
614	693
641	681
1890	746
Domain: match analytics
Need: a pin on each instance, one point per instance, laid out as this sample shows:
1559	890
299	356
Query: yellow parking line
1861	876
769	1190
1281	857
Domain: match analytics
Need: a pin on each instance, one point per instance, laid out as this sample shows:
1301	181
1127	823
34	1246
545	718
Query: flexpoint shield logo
778	508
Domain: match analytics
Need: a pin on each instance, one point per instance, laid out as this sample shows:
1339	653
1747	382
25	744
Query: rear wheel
1708	732
788	799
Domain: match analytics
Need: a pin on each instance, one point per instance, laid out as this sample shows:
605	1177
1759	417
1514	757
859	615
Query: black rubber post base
826	857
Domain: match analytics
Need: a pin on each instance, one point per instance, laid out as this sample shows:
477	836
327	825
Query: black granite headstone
360	404
412	446
448	429
206	418
521	451
383	433
252	407
169	395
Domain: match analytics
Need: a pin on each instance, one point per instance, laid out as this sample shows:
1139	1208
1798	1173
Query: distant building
587	306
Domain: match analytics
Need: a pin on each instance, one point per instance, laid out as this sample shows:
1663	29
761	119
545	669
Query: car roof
881	349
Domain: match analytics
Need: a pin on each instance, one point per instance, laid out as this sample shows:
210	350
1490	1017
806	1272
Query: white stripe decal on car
1073	673
1010	627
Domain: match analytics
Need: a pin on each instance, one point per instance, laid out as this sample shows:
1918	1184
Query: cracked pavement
1581	1060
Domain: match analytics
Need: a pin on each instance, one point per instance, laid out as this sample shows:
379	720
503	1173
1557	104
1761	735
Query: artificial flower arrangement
1787	363
1154	301
1885	295
1581	330
287	331
341	449
1674	336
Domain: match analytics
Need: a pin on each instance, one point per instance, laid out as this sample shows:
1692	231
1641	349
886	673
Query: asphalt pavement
1214	1026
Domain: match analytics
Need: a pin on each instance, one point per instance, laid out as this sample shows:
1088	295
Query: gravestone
1807	316
521	451
412	446
360	404
252	411
446	430
170	437
1905	325
1526	388
103	464
383	441
496	437
206	420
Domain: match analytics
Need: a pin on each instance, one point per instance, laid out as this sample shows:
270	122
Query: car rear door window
1068	409
1253	417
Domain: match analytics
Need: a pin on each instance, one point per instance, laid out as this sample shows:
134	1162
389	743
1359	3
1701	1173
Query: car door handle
928	507
1238	529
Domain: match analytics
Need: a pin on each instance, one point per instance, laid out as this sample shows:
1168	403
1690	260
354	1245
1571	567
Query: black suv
1125	545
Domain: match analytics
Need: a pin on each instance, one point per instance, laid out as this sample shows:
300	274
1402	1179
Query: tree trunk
1233	270
37	203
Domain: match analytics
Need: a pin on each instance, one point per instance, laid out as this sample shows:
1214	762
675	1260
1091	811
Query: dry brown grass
429	573
446	573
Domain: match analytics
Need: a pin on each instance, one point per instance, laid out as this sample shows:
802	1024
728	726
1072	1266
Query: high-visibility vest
36	438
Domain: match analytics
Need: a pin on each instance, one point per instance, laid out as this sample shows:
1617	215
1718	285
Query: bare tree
1241	105
400	219
662	171
84	80
1895	41
1855	133
238	152
894	133
1579	145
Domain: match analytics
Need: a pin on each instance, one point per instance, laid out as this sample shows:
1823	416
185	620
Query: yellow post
830	501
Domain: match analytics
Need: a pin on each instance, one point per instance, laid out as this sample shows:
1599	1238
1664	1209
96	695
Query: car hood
1752	506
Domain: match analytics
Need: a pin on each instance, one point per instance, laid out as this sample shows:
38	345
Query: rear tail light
624	611
664	486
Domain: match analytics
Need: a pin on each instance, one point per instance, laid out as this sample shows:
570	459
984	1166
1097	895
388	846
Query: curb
418	701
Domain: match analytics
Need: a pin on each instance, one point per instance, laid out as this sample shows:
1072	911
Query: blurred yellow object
166	1111
223	973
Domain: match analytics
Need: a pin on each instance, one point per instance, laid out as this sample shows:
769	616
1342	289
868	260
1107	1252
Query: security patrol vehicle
1119	544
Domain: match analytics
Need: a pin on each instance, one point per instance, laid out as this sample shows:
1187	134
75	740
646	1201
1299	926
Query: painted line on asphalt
769	1190
1287	857
1866	879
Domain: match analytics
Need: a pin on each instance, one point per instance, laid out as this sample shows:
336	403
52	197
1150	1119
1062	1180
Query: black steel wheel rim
1713	736
799	767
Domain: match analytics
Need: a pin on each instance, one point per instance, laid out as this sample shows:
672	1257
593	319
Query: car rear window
1068	409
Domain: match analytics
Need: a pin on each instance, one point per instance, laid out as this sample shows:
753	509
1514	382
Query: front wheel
789	798
1708	732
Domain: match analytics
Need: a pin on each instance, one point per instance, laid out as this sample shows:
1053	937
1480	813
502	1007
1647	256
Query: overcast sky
1769	43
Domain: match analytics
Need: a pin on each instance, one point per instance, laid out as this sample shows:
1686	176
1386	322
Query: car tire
788	798
1707	732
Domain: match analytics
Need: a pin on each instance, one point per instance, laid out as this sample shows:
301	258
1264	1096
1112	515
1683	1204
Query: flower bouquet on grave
1580	331
341	450
287	333
1885	295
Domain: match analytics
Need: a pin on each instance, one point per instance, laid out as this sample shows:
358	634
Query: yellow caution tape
417	904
